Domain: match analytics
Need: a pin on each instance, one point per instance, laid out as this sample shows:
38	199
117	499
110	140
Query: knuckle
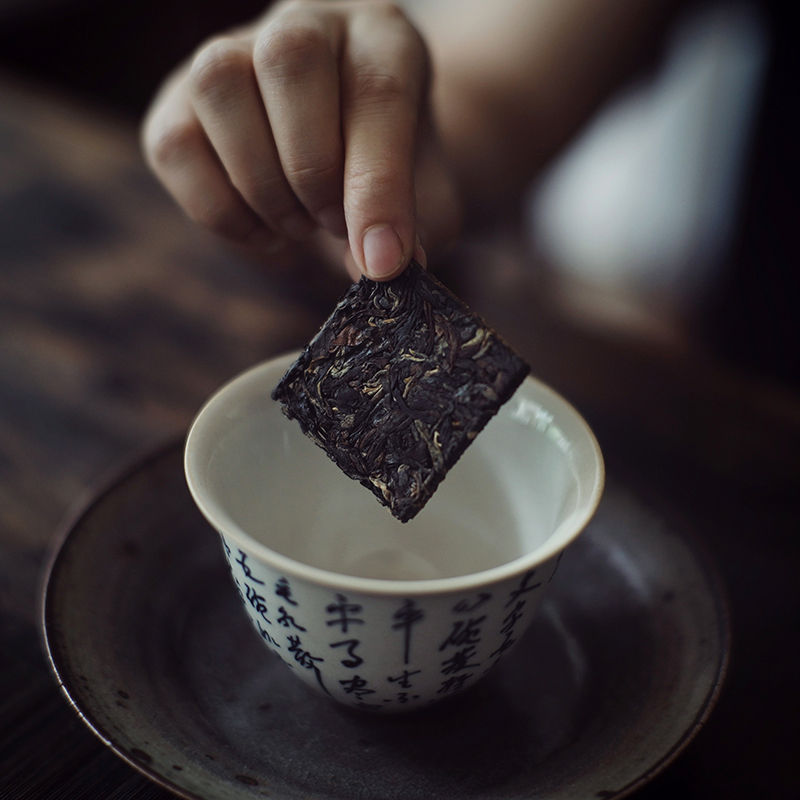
220	217
374	85
404	43
289	50
394	17
284	7
390	11
217	68
168	144
268	195
313	174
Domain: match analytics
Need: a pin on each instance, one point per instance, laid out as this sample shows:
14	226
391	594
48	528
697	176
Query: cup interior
524	488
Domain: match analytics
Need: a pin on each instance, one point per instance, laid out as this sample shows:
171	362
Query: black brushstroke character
407	616
507	642
555	569
464	633
403	680
466	607
265	635
257	601
357	686
305	659
459	661
509	623
454	683
344	609
523	587
511	620
242	560
354	660
282	589
287	620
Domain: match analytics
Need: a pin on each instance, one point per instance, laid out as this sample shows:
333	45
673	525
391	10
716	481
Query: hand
315	118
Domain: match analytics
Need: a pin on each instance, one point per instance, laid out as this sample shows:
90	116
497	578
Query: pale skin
330	121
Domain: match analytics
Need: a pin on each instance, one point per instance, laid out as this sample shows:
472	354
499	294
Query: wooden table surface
118	318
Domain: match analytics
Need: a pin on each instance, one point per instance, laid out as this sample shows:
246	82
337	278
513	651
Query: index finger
384	85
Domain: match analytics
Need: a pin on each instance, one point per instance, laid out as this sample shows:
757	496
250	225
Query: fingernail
297	225
383	251
332	219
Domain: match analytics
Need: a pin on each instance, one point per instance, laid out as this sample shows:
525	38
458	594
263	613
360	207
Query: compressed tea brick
397	383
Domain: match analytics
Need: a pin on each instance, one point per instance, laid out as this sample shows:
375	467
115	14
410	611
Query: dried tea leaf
397	383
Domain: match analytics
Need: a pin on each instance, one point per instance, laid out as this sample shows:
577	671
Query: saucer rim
140	461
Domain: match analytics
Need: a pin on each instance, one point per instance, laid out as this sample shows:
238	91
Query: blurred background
655	284
675	212
673	215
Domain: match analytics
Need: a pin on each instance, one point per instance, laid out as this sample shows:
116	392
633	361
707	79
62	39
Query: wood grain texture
117	319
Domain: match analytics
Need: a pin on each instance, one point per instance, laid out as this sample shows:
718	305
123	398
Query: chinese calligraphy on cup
371	612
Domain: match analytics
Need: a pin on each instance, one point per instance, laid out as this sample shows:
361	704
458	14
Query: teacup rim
221	521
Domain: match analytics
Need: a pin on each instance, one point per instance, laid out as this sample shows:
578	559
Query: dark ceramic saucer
148	640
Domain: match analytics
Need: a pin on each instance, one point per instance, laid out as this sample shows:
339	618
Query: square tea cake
397	383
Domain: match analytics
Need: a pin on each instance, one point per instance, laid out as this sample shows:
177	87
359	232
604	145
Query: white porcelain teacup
370	611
